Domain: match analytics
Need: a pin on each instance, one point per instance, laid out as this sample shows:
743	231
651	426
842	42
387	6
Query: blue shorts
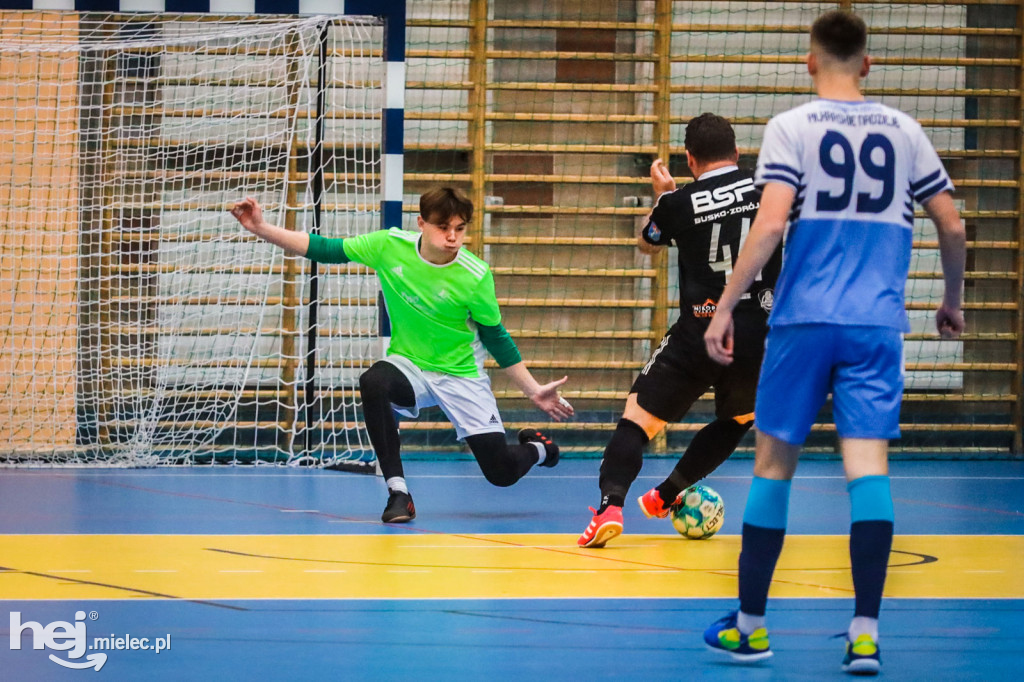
861	366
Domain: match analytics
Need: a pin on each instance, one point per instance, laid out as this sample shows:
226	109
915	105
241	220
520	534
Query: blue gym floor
499	638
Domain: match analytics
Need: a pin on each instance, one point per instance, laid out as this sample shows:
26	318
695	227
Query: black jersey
708	220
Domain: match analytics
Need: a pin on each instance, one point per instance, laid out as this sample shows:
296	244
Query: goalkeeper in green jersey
444	313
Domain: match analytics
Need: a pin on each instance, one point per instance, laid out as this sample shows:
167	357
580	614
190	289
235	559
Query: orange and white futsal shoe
603	527
653	506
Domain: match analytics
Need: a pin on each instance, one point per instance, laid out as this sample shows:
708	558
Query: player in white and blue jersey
843	174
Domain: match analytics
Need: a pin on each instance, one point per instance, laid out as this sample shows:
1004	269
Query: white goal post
139	323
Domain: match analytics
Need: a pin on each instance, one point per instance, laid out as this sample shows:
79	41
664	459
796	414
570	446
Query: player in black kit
708	221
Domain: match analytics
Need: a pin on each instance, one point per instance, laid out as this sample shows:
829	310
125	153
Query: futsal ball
698	512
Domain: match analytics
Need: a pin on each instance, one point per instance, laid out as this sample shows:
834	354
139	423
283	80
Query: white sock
397	485
863	625
540	449
746	623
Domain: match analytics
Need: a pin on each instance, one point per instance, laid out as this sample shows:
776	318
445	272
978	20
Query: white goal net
139	323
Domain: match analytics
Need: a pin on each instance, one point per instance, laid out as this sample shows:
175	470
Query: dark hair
709	137
841	34
440	204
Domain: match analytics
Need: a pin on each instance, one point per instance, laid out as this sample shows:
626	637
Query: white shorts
467	402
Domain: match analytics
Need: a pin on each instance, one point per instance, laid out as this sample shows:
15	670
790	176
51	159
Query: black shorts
680	371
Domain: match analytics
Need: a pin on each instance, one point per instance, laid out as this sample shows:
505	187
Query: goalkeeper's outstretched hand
548	399
249	214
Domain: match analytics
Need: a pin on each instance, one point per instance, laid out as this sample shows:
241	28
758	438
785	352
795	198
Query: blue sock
764	529
871	531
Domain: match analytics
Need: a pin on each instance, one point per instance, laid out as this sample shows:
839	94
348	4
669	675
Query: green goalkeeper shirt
434	309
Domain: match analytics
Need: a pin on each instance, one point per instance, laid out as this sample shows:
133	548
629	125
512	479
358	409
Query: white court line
983	571
68	570
317	570
238	571
154	570
408	570
299	511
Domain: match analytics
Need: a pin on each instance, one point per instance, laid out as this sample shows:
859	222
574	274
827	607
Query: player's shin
871	531
623	458
764	529
711	446
380	387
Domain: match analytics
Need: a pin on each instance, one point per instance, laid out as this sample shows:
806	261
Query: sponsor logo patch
705	309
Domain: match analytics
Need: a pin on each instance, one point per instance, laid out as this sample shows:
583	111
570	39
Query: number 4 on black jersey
708	220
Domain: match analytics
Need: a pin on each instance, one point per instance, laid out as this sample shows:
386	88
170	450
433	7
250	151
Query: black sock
870	544
670	488
623	458
760	550
611	501
710	446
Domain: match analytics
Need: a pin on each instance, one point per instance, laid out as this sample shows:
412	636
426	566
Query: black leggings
384	385
503	464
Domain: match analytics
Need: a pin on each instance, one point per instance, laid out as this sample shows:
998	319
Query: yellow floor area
434	565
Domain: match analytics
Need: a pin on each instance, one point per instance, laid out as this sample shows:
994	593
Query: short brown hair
709	137
440	204
840	34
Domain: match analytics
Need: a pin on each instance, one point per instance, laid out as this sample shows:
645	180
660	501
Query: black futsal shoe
550	449
400	508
